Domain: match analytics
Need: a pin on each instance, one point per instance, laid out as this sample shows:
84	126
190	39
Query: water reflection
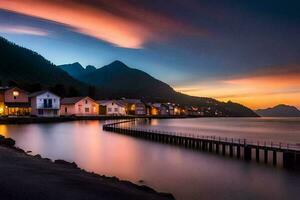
187	174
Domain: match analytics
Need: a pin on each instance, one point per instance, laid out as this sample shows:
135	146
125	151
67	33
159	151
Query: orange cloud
25	30
117	22
84	19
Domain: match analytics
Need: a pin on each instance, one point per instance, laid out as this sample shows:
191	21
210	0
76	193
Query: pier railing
291	152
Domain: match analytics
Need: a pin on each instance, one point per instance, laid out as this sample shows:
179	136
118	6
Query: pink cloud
116	22
24	30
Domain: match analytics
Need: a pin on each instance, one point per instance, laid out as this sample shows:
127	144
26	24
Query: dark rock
47	159
7	141
167	195
19	150
38	156
69	164
141	181
146	188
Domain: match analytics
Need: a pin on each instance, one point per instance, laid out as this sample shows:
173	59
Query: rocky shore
34	178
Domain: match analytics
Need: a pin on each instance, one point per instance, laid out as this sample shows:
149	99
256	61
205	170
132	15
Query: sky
244	51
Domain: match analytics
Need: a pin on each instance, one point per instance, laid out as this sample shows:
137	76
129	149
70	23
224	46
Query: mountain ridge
30	71
123	81
280	110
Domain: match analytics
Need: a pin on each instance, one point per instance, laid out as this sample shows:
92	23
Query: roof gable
35	94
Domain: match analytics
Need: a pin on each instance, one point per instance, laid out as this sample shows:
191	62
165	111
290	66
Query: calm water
188	174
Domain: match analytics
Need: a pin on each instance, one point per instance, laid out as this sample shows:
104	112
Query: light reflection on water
188	174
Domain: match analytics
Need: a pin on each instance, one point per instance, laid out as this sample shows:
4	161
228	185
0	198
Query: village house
170	108
14	102
159	109
44	104
135	107
112	107
79	106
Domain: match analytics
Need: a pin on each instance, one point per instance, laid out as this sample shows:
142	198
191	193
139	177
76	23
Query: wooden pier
260	151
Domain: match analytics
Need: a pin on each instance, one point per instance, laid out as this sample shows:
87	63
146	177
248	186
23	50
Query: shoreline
36	120
24	176
32	120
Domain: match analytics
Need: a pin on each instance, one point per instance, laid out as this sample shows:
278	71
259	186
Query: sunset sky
244	51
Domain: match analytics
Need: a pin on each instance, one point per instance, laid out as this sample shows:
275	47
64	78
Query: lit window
132	107
16	93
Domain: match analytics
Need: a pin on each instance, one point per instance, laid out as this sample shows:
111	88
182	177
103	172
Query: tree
92	91
72	92
59	89
12	83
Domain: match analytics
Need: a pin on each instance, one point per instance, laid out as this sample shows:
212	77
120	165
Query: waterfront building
44	104
170	108
14	102
112	107
159	109
79	106
135	107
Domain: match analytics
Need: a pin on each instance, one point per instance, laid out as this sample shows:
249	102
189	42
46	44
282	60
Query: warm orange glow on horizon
255	92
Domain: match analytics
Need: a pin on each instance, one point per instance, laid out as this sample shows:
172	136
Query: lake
188	174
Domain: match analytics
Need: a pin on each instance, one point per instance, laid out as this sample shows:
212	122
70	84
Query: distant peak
90	68
77	63
282	105
118	64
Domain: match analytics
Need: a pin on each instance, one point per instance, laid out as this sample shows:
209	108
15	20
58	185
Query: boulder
69	164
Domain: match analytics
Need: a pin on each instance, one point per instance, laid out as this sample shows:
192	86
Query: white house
113	107
44	104
80	106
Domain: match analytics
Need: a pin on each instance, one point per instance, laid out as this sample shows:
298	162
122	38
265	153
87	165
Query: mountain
29	70
279	111
117	80
76	70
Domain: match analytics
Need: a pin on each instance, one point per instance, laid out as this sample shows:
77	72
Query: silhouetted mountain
90	68
25	68
118	80
76	70
32	72
279	111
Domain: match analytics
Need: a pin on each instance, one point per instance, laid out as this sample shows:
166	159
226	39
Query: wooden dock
261	151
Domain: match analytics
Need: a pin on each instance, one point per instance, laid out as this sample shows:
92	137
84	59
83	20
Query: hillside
279	111
118	80
29	70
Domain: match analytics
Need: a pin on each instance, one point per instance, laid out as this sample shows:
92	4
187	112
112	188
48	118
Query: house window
86	101
109	109
66	110
87	110
54	100
16	94
116	109
40	112
55	112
